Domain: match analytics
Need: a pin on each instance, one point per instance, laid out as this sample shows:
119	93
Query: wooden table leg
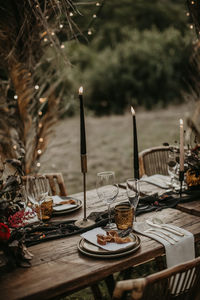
110	283
96	292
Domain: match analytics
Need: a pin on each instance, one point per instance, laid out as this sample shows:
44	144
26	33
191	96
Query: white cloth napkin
180	252
159	180
91	236
57	200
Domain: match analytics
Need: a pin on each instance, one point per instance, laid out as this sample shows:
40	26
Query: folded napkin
159	180
91	236
57	200
182	251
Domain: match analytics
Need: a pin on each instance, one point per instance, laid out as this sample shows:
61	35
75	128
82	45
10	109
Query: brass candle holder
85	222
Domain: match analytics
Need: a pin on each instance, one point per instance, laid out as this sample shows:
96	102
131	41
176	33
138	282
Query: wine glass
133	192
37	189
107	191
172	167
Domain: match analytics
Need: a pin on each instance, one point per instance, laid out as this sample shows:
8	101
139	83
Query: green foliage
147	68
138	54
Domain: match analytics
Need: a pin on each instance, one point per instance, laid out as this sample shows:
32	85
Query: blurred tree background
134	52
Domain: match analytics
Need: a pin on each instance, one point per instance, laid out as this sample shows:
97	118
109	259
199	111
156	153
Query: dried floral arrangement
192	160
29	103
32	36
12	216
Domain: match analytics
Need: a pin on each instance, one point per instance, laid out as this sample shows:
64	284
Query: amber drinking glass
124	214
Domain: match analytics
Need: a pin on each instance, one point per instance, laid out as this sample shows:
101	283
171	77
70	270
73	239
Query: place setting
117	238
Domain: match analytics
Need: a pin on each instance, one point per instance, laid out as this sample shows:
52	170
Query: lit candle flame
132	111
80	90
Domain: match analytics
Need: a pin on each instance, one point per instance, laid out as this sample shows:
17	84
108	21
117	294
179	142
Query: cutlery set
164	231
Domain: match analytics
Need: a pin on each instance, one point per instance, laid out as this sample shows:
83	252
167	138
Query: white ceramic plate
97	252
67	208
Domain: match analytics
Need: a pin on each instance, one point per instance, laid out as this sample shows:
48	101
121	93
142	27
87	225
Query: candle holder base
84	223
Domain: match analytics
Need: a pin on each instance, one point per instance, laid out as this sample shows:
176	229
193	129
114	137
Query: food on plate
69	201
112	237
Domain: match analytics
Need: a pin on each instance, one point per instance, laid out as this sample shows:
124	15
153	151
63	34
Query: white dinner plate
94	251
66	208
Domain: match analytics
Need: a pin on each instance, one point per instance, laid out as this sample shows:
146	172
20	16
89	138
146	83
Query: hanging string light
42	100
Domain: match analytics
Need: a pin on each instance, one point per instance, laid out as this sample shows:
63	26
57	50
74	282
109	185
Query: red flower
4	232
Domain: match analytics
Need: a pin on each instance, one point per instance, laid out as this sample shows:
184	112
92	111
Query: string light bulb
40	113
15	147
61	25
45	40
39	151
53	33
187	14
40	125
41	140
71	14
38	164
192	2
191	26
89	32
62	46
97	4
37	87
94	16
15	97
42	100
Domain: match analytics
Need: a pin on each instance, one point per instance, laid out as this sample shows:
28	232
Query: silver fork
164	237
165	233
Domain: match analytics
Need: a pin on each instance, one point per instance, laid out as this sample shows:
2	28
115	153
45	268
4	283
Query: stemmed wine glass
172	167
37	189
107	191
133	192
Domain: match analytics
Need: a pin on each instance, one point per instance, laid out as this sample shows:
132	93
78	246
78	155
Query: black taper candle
135	146
82	123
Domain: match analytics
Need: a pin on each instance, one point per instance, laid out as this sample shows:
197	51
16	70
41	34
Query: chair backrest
154	161
56	183
179	282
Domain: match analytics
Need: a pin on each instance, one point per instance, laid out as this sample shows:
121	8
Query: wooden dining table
58	268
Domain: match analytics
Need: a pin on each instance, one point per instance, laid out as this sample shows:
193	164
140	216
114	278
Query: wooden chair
154	161
56	183
180	282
